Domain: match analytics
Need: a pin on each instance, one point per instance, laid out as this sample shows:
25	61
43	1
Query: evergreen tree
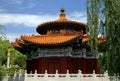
112	24
106	23
92	13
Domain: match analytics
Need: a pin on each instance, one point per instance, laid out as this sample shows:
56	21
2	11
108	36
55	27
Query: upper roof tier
61	23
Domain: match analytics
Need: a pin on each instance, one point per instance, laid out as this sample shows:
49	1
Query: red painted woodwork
28	66
62	64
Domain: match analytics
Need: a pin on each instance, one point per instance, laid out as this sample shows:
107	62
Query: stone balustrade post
26	77
35	74
46	75
67	71
94	75
14	76
118	77
106	76
20	75
67	75
56	75
79	75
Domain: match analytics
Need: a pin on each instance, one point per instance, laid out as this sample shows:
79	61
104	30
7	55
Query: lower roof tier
48	39
51	39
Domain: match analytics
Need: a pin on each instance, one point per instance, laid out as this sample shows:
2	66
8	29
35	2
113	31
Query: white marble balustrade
66	77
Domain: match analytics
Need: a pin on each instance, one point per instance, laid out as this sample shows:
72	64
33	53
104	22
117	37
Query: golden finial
62	14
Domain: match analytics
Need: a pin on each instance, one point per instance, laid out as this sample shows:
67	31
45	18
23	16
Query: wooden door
53	66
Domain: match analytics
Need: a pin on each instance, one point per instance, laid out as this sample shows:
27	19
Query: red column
84	65
32	65
69	64
40	65
63	65
96	64
28	66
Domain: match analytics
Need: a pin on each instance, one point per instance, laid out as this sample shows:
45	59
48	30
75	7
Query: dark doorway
53	66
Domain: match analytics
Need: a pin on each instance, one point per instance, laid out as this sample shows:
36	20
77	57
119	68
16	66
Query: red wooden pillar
32	65
69	64
28	66
84	65
96	64
63	65
35	64
80	64
40	65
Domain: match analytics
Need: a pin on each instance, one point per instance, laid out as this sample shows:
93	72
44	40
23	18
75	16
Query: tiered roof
47	37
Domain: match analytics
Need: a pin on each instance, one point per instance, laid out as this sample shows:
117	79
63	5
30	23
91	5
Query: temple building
60	45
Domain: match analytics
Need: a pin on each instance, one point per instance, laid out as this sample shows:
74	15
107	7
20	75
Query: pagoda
60	45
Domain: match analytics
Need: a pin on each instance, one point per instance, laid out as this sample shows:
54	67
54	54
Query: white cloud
13	1
12	36
34	20
78	16
17	1
25	19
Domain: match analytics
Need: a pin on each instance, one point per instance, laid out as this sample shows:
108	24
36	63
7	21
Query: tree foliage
17	60
92	13
107	24
112	14
4	44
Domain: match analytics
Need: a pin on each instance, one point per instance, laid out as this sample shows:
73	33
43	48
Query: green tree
4	44
1	55
18	58
112	14
92	13
107	23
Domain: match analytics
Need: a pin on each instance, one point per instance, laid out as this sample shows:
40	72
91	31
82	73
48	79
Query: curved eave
87	37
20	42
14	44
53	44
42	28
52	40
19	48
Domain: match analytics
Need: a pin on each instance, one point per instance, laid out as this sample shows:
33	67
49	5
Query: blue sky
21	17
